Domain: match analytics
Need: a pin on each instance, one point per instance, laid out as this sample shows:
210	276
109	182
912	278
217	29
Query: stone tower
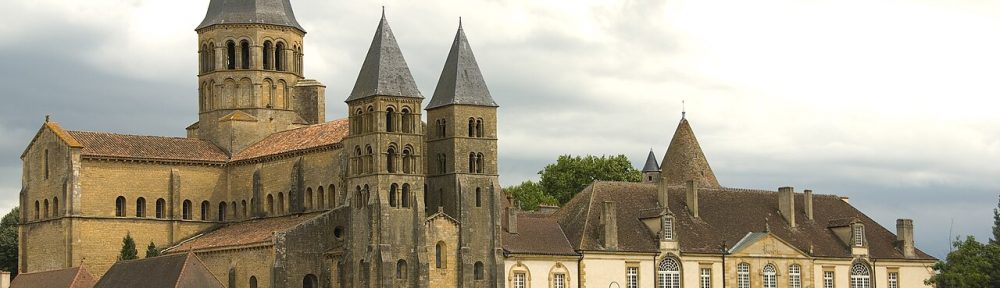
685	161
250	74
650	171
386	182
462	163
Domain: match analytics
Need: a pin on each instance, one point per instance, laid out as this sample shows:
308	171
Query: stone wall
243	263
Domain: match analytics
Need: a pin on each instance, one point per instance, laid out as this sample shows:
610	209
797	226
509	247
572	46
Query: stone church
265	192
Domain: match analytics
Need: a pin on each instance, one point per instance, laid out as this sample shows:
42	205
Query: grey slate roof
651	165
384	72
276	12
461	80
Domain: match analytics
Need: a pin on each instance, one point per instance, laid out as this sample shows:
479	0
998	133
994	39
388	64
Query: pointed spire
461	80
651	165
685	161
384	72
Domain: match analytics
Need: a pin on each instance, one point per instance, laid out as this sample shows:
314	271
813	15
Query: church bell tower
250	78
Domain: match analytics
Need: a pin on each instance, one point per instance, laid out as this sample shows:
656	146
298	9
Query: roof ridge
137	135
586	217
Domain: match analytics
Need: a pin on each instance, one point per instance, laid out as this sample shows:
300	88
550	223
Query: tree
8	241
529	195
563	179
968	266
128	249
151	250
996	224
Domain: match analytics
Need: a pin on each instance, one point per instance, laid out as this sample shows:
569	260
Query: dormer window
859	234
668	228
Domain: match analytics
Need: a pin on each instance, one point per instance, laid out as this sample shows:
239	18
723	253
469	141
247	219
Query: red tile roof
250	232
76	277
300	139
111	145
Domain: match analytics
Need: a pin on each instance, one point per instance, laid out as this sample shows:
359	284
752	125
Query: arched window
333	196
668	274
267	55
186	210
442	128
161	205
320	198
357	197
439	255
479	197
390	124
407	161
390	160
253	281
46	211
472	162
244	54
236	210
392	195
204	210
478	270
46	160
743	275
55	206
370	119
367	195
407	122
203	58
279	56
370	165
357	161
401	269
211	56
480	163
244	204
222	211
405	198
270	204
140	207
860	276
230	55
37	210
281	203
310	281
309	198
794	276
119	207
442	163
472	127
770	276
479	128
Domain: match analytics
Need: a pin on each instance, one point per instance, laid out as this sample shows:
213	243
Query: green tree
151	250
529	195
969	265
128	249
996	224
8	241
563	179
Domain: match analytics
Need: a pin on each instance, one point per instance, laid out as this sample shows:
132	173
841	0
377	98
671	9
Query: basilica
264	191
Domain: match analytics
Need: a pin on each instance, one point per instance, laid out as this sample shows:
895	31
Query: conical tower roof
274	12
384	72
461	80
651	164
685	161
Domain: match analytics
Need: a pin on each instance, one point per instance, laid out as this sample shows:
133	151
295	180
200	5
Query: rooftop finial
383	11
46	118
683	110
459	22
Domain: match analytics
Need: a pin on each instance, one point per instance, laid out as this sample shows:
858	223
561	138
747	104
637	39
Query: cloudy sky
891	103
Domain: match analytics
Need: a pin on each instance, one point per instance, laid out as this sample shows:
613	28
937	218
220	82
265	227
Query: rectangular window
706	277
668	228
519	280
893	280
859	235
559	280
828	279
743	275
794	276
632	277
46	163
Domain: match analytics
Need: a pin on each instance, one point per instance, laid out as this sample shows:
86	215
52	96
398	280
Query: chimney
692	197
809	204
610	223
786	204
661	194
511	220
904	237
